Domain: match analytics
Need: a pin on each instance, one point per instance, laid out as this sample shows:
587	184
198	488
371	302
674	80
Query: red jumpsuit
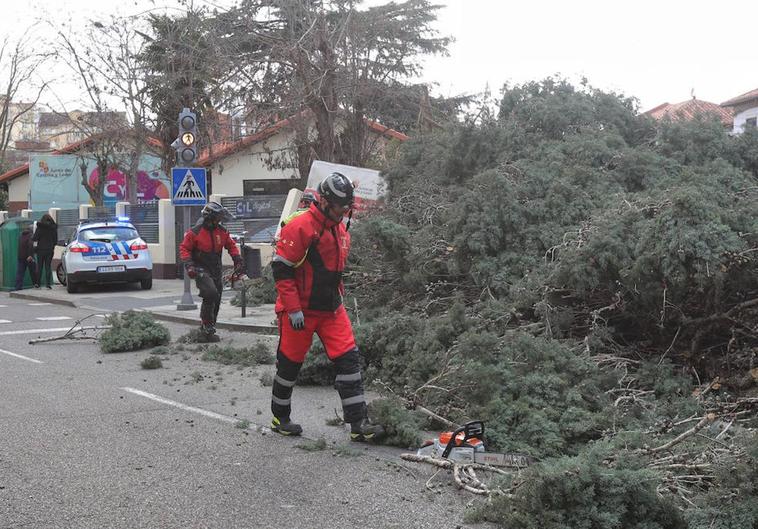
202	247
308	264
310	257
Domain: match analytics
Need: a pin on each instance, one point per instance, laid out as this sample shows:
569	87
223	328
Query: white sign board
369	185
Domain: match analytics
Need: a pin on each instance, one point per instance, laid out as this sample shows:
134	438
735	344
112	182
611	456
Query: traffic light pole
186	156
187	303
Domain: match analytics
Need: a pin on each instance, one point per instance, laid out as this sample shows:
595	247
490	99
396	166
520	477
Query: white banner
369	185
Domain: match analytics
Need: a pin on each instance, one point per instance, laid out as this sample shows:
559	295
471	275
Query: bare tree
105	64
18	66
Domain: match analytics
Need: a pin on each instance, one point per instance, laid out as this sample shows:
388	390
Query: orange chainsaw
466	445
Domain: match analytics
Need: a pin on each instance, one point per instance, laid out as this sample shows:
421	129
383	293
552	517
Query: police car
105	252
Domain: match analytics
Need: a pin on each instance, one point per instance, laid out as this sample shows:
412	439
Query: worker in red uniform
200	252
310	257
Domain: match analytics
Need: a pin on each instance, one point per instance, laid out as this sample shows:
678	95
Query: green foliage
151	362
132	331
566	272
313	446
3	200
256	354
258	291
317	369
552	400
589	492
403	427
732	503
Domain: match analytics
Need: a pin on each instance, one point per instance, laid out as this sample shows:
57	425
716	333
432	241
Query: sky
657	51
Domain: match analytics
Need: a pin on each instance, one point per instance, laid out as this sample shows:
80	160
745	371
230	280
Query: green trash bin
10	232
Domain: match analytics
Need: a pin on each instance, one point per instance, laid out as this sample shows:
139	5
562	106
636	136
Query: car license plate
111	268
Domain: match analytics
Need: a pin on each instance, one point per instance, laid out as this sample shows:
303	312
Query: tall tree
114	88
18	66
339	62
186	67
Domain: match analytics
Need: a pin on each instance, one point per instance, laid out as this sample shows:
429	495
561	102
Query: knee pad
206	287
286	368
348	363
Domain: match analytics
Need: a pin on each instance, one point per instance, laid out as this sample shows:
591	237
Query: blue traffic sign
189	186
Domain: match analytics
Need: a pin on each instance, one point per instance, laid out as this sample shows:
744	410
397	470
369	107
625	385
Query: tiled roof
223	150
744	98
689	110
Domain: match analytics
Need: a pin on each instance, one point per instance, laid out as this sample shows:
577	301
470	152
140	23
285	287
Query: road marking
206	413
53	318
35	331
21	357
6	321
38	304
3	306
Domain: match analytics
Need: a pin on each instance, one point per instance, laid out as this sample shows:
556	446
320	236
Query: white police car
105	252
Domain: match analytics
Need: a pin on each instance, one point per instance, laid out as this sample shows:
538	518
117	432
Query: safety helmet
337	189
215	211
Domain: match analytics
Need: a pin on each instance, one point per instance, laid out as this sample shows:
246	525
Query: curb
220	324
38	297
228	325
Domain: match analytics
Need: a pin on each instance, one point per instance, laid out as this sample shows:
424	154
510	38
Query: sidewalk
161	300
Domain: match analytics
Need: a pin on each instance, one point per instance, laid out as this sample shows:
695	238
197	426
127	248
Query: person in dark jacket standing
25	259
46	237
310	258
200	252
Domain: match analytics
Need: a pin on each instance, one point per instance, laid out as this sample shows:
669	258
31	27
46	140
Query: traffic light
186	143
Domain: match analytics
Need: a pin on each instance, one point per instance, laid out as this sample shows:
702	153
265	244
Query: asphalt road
92	440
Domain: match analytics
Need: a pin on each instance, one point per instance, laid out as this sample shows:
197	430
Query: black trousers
210	288
22	265
44	266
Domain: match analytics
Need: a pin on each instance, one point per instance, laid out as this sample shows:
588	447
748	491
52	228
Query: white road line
35	331
3	306
38	304
206	413
53	318
6	321
21	357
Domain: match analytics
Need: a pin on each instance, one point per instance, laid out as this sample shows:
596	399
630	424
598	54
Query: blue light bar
123	219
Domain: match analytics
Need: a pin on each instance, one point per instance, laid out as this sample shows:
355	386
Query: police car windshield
108	234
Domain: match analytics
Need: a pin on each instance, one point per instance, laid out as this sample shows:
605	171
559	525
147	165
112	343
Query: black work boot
363	430
285	426
208	334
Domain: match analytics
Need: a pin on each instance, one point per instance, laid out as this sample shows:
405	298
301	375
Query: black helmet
337	189
215	211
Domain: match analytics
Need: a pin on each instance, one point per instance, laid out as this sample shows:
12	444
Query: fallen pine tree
585	281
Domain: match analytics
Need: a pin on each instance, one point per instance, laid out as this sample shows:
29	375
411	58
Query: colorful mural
55	181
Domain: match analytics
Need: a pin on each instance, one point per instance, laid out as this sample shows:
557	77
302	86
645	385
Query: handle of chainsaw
470	430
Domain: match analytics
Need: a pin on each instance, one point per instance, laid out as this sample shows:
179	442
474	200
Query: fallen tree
574	274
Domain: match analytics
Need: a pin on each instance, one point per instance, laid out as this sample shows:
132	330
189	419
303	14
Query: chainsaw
465	445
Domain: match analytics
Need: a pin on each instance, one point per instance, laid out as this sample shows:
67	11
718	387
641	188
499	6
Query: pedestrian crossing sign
189	186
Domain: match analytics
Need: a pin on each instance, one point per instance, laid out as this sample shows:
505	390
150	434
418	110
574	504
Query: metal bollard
243	293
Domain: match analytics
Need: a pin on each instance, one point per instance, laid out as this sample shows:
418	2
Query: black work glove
297	320
238	268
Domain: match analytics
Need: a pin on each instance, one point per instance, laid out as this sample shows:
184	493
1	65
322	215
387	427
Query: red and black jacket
310	257
202	246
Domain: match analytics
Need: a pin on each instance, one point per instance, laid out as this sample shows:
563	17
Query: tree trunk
132	177
95	192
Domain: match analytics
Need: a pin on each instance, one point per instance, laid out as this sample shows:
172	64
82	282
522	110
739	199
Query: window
108	234
750	123
266	187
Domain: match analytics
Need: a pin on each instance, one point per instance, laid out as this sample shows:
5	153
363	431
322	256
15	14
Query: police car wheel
60	273
72	288
146	284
